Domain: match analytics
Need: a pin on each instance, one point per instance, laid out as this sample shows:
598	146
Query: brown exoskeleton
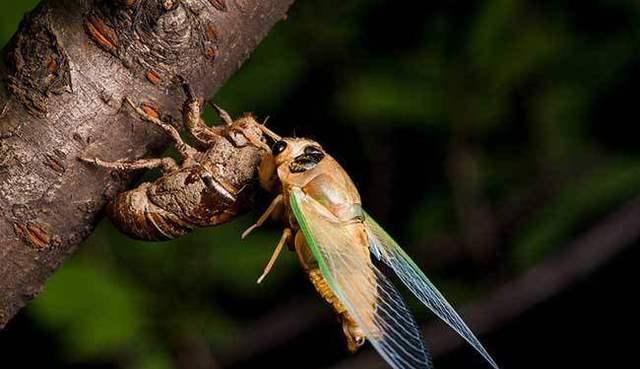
337	243
191	194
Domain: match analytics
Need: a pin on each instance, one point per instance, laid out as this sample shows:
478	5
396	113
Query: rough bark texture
65	75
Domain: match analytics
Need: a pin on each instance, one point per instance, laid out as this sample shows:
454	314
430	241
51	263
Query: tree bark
65	75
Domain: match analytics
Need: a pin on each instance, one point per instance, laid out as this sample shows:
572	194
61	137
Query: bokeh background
496	140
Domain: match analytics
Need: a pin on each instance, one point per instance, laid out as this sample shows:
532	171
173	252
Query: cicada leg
275	204
226	118
183	148
191	112
286	236
166	164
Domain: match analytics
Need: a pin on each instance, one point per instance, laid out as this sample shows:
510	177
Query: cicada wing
342	252
389	252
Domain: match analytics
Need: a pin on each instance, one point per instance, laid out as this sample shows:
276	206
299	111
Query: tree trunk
65	75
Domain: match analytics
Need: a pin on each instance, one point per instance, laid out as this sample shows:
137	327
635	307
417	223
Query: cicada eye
278	147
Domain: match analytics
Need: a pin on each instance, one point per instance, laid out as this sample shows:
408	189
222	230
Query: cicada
340	246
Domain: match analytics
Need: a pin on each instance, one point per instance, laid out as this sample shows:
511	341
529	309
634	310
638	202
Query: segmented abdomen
133	213
324	290
353	334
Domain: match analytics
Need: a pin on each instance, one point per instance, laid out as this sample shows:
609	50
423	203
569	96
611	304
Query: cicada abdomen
174	205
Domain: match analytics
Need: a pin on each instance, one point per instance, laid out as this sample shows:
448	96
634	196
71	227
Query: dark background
496	140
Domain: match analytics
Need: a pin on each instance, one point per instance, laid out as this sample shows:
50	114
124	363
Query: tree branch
65	75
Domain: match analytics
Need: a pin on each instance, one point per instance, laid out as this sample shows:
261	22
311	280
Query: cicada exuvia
338	245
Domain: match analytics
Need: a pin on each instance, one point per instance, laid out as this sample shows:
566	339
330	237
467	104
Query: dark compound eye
278	147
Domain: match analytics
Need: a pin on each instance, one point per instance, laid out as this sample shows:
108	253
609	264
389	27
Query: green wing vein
389	252
367	294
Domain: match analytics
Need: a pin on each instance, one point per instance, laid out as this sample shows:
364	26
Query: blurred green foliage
454	118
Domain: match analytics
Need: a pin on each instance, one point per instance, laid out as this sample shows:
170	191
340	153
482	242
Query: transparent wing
389	252
342	252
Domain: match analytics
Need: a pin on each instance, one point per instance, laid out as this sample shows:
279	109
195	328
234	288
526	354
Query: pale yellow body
327	228
328	184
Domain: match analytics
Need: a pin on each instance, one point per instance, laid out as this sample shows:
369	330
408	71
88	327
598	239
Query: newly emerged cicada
338	244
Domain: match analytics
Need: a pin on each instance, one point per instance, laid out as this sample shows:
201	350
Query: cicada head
298	154
291	160
297	159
